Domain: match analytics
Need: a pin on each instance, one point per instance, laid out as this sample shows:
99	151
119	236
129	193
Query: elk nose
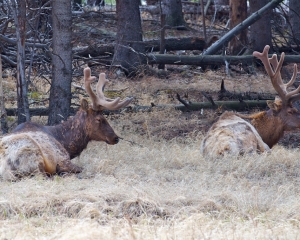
117	140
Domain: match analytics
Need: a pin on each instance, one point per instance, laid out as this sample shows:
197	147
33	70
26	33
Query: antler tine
88	79
293	95
273	60
290	83
100	85
122	104
107	103
274	63
275	76
265	60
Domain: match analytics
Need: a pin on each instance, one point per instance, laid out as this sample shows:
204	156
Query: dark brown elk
32	148
232	134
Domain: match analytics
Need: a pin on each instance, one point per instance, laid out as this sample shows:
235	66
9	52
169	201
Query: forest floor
158	186
155	184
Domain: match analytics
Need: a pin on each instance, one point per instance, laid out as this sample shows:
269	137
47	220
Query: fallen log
240	27
171	44
224	95
202	60
226	105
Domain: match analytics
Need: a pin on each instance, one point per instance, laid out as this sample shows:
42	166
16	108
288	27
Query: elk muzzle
113	140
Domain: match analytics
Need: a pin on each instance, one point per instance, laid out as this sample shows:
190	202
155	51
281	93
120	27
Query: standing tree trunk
173	11
129	47
260	32
237	14
3	121
19	12
60	92
294	12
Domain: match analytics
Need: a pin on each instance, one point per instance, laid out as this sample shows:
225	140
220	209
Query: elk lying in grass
32	148
232	134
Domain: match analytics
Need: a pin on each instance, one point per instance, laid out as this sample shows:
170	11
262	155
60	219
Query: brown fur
229	133
270	128
33	148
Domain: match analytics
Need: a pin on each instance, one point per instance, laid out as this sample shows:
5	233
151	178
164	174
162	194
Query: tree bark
226	105
129	48
243	25
294	13
60	92
19	12
209	59
3	121
237	14
196	106
171	44
173	11
260	32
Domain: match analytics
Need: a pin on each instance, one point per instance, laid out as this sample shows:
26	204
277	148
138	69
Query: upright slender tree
237	14
60	92
260	31
129	47
18	8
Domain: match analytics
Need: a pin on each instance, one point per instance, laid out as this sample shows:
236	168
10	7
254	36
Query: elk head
97	127
282	116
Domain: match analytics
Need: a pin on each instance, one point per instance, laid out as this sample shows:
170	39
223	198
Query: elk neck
269	126
71	134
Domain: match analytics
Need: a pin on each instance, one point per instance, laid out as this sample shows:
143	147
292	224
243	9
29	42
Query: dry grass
160	188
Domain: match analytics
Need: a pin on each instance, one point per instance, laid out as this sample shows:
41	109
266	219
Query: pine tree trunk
173	11
129	47
60	92
237	14
19	12
260	32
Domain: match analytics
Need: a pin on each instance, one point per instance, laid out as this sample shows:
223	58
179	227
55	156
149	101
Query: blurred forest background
45	44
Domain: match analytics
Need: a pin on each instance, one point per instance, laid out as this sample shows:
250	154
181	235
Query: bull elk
232	134
32	148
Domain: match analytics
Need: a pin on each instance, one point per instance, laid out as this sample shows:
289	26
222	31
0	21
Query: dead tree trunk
196	106
243	25
209	60
171	44
129	48
237	14
19	12
2	104
60	92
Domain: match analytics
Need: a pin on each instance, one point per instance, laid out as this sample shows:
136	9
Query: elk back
28	153
231	135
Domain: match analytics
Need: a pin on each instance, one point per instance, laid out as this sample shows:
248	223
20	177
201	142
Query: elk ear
274	105
84	104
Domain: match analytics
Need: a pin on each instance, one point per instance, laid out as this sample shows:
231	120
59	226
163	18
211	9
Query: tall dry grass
158	190
160	187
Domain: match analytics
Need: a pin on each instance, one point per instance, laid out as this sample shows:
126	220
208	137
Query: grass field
159	186
160	190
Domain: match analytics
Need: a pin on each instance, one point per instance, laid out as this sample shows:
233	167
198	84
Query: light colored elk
32	148
232	134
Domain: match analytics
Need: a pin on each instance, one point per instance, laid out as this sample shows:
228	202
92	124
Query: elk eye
98	119
292	111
